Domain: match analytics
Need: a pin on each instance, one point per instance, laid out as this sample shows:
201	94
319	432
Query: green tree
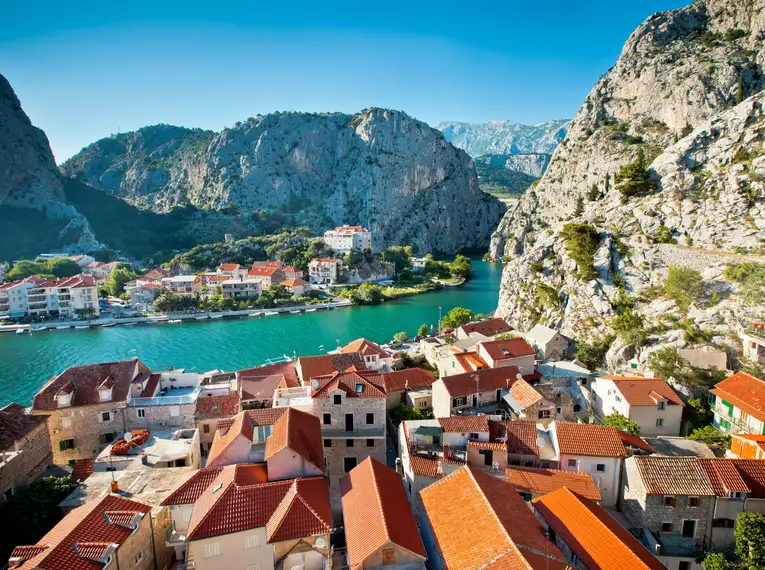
401	336
399	255
715	561
461	267
424	330
593	355
751	366
579	208
404	413
582	242
24	268
699	413
667	363
456	317
633	179
684	286
750	540
712	436
117	280
405	360
620	422
630	327
63	267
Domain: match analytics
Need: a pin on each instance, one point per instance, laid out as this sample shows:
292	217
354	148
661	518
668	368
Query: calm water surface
27	361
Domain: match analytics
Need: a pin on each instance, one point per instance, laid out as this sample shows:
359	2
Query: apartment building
347	238
24	449
183	284
13	297
325	270
268	275
50	297
739	404
240	289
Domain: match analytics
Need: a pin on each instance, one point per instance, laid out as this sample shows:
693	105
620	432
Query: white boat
175	321
43	328
216	316
255	314
82	327
271	313
19	331
201	318
63	328
129	324
310	310
107	325
294	312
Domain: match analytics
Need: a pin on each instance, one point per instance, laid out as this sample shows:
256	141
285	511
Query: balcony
286	397
180	397
736	424
672	544
174	537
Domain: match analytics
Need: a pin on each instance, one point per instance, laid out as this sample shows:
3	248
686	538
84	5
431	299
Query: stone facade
160	417
26	460
82	432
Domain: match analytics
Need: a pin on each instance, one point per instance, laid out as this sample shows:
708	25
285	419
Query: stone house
85	407
527	403
165	400
401	384
112	531
380	531
24	449
549	343
471	392
514	352
208	412
375	358
650	402
487	327
532	482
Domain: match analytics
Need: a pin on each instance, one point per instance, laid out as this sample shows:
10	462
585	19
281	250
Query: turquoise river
28	361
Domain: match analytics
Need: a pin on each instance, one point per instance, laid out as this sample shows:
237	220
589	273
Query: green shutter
62	445
730	408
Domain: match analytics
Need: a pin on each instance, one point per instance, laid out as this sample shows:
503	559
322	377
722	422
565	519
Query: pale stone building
24	449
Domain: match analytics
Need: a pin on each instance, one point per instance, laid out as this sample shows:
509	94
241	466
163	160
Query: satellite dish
519	376
320	543
540	442
128	436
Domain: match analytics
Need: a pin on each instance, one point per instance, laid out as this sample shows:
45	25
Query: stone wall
85	425
161	417
33	457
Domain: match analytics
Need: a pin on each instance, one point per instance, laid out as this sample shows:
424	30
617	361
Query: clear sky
86	69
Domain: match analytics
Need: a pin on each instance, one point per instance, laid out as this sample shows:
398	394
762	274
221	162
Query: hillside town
350	459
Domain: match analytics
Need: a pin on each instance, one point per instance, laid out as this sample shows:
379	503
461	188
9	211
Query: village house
242	439
292	273
588	536
380	531
256	386
549	343
209	411
522	440
471	392
231	270
570	376
753	342
110	532
471	520
268	275
525	402
344	239
142	293
99	270
747	446
410	387
436	348
487	327
295	286
183	284
375	358
508	352
649	402
24	449
532	483
85	407
82	260
240	289
155	275
739	404
308	367
325	270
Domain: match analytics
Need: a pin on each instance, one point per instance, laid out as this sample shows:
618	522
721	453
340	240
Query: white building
346	238
240	289
325	270
13	298
183	284
45	297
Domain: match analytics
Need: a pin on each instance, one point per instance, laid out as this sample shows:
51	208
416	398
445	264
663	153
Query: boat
175	321
107	325
295	312
19	331
256	314
82	327
43	328
129	324
310	310
63	328
270	313
201	318
216	316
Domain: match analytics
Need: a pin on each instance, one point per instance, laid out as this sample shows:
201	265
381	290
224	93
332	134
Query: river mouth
28	361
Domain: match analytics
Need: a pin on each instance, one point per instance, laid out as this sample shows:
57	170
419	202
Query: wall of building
607	482
435	561
646	417
403	559
287	464
234	551
18	469
139	542
85	426
301	553
161	417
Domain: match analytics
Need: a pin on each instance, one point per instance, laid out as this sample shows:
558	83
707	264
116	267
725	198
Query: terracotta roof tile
193	487
376	512
321	365
520	436
488	445
300	432
639	391
465	424
634	441
364	347
744	391
83	468
595	537
673	476
241	426
543	481
259	383
217	406
356	384
507	348
735	475
469	361
479	521
489	379
487	327
523	393
304	511
588	439
414	378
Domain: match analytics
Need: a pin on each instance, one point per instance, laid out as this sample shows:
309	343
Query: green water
27	361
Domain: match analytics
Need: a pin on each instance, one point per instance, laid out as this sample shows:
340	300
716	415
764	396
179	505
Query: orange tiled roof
228	266
222	406
369	381
413	378
465	424
376	513
487	327
523	393
242	425
588	439
635	441
365	347
594	536
639	391
321	365
507	348
479	521
489	379
673	476
57	550
744	391
543	481
520	436
300	432
263	271
293	282
469	361
742	475
194	485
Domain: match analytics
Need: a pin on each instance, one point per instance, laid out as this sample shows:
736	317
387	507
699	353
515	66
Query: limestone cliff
379	168
682	103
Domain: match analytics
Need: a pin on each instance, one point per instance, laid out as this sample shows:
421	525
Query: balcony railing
165	400
285	397
740	426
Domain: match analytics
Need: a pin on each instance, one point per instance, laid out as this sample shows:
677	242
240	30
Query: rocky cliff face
505	137
511	173
379	168
29	179
683	101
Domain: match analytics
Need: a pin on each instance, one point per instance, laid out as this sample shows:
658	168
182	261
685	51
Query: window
689	528
370	443
359	388
327	443
140	412
349	463
370	418
666	527
206	428
684	565
388	556
264	432
457	402
723	523
617	398
349	443
105	438
251	541
660	422
423	404
327	419
186	514
693	501
544	414
106	416
661	405
600	468
212	550
670	501
66	422
572	462
337	399
473	435
526	496
65	444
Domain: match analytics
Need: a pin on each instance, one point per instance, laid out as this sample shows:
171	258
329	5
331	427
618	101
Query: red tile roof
487	327
83	468
588	439
290	509
523	393
645	391
193	487
84	525
409	378
744	391
479	521
263	271
489	379
634	441
507	348
465	424
469	361
365	347
293	283
300	432
358	384
259	383
241	426
735	475
311	366
15	424
229	266
86	379
520	436
543	481
673	476
595	537
223	406
325	260
376	513
488	445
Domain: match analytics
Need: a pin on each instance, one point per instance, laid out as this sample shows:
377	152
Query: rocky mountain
510	173
505	137
379	168
661	167
32	199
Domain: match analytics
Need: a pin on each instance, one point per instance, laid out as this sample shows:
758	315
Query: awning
428	430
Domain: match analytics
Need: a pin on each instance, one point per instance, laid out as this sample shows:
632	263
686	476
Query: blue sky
84	70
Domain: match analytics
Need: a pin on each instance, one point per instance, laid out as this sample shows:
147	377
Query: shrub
665	235
684	286
633	179
581	244
713	437
536	266
456	317
630	327
593	355
620	422
401	336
